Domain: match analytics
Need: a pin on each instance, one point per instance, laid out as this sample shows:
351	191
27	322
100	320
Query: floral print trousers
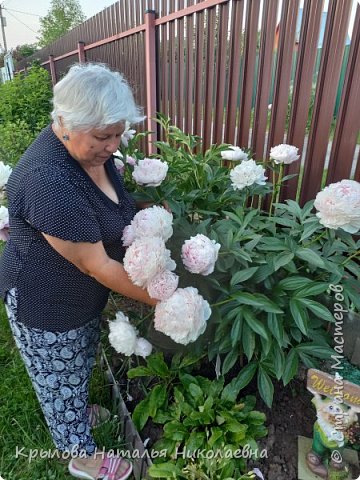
59	365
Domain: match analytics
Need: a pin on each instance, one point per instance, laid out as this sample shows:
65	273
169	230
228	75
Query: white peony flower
338	206
145	258
284	154
122	336
119	165
118	154
149	222
5	172
199	254
234	154
183	316
127	135
150	172
163	285
131	160
246	174
4	217
143	348
4	224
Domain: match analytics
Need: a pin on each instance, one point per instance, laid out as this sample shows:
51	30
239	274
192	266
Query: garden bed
291	415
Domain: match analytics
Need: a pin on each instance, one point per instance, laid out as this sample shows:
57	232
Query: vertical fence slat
248	71
307	51
199	74
348	120
209	76
165	70
52	69
173	59
150	78
234	68
189	74
328	78
222	52
81	52
180	97
264	77
283	72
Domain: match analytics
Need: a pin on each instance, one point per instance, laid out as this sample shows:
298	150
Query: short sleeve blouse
49	192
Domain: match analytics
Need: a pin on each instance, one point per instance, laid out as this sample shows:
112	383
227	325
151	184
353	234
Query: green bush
270	292
15	137
24	111
27	98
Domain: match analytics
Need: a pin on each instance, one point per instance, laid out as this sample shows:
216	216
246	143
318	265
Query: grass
22	425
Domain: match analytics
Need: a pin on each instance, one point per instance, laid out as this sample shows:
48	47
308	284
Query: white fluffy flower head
122	336
150	172
338	206
4	217
199	254
234	154
247	174
284	153
145	258
183	316
149	222
163	285
119	165
5	172
127	135
143	348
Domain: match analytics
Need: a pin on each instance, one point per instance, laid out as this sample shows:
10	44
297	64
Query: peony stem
278	183
347	260
273	191
322	234
221	303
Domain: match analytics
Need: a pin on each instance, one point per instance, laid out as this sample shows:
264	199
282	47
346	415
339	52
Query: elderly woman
68	208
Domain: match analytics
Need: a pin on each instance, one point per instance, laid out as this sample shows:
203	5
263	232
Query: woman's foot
90	468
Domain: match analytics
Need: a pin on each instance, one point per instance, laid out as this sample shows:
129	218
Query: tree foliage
63	16
23	51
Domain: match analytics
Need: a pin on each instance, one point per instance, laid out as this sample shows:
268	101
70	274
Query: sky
22	27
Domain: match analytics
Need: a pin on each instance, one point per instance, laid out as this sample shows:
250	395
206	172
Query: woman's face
95	147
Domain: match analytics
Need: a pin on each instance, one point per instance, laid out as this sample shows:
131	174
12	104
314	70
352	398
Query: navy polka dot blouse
49	192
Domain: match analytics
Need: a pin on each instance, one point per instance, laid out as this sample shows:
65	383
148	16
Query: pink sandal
107	471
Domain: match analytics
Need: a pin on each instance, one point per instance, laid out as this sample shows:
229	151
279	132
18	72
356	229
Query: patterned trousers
59	365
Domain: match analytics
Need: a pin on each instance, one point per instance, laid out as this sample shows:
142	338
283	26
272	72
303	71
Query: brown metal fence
210	65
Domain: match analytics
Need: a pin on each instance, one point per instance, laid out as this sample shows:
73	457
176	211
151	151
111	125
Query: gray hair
92	96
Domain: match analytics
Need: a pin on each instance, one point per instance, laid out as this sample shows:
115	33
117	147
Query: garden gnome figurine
333	420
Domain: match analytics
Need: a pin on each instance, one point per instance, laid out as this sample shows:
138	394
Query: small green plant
163	378
28	98
198	416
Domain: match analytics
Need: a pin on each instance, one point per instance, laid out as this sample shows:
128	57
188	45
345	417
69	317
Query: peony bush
264	273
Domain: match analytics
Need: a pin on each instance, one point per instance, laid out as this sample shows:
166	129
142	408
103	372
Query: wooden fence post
150	67
81	52
52	69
